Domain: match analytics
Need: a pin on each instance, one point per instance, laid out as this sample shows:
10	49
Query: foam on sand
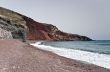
102	60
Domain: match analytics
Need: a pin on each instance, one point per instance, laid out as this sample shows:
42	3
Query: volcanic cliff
17	26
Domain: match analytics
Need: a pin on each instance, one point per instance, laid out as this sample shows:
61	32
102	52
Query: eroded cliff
18	26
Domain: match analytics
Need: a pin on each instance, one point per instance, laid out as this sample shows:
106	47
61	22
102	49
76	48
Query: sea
92	52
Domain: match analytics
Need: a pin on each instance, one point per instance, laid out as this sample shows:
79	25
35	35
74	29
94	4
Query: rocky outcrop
18	26
43	31
13	24
4	34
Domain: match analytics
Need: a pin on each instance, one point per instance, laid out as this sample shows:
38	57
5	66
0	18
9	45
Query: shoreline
21	57
79	55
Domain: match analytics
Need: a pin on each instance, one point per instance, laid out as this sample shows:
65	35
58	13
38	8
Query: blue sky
85	17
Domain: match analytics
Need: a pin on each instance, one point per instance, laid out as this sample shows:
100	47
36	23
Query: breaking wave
102	60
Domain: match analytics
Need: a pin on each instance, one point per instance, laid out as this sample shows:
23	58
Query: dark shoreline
16	56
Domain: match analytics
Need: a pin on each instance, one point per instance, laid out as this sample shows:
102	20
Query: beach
16	56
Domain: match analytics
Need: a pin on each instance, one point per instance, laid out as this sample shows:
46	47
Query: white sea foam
102	60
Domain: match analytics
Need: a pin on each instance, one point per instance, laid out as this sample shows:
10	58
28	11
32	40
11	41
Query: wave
102	60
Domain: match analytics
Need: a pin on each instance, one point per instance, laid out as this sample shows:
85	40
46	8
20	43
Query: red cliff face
42	31
17	26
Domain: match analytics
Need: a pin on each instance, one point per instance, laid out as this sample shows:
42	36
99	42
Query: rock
24	28
12	23
4	34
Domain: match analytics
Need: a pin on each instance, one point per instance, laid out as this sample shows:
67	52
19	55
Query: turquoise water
99	46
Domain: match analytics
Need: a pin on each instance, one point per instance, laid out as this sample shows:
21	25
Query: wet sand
16	56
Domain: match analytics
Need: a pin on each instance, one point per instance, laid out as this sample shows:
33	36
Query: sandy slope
16	56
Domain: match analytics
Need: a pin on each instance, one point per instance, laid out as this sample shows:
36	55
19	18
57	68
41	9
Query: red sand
16	56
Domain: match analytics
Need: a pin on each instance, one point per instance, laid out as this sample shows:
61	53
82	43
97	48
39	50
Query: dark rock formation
17	26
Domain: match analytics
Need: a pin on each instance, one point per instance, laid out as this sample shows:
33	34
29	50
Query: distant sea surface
94	52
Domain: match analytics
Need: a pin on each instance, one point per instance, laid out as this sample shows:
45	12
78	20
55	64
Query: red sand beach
16	56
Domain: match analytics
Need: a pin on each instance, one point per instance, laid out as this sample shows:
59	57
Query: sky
84	17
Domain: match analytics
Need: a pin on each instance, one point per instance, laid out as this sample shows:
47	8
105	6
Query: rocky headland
16	26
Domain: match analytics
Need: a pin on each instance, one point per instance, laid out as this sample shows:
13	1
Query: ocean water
93	52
